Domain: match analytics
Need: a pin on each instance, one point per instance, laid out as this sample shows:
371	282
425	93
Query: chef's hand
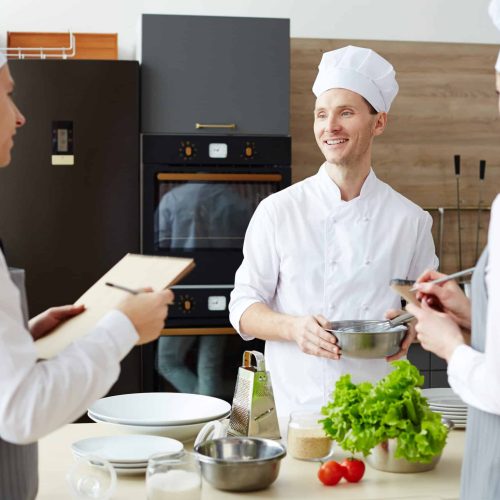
45	322
437	331
147	312
446	297
409	338
309	334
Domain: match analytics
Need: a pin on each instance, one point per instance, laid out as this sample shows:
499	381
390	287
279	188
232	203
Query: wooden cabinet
226	71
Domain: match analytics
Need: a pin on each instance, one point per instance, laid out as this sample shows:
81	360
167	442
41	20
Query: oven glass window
202	214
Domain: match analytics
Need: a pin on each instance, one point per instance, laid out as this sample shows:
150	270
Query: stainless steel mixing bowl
367	339
240	463
382	458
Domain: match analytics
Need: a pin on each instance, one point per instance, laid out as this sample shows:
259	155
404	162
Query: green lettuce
360	416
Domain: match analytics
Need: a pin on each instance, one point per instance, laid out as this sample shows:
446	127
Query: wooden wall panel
88	45
446	105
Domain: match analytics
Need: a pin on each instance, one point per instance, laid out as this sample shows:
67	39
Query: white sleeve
473	375
424	256
257	277
38	397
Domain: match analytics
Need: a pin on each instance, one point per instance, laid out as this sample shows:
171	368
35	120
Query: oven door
204	214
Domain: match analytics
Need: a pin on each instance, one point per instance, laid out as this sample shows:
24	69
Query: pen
124	288
465	272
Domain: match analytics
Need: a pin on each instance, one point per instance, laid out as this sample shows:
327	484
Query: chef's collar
367	188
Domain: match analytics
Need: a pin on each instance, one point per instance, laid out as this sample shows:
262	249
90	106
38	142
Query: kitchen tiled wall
431	366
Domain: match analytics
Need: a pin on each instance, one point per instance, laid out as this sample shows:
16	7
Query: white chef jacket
473	375
38	397
307	252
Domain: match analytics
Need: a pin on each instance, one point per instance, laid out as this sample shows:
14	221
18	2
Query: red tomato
353	469
330	473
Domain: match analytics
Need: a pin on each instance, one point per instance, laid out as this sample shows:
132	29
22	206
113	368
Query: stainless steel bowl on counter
382	458
240	463
366	339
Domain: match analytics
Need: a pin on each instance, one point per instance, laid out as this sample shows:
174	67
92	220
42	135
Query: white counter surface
297	479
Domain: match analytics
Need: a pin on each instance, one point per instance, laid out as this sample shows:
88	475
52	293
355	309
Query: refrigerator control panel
62	143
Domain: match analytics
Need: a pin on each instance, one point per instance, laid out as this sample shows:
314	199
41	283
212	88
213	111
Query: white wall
416	20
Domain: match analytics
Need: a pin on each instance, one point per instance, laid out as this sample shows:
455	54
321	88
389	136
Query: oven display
217	150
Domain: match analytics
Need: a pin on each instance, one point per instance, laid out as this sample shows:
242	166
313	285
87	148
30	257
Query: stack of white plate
446	402
176	415
127	454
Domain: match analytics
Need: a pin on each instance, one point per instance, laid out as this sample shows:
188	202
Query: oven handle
220	177
215	125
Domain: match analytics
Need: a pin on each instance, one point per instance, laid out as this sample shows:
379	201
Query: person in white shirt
445	322
37	397
327	247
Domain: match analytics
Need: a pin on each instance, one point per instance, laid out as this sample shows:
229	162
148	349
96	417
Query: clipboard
403	288
133	271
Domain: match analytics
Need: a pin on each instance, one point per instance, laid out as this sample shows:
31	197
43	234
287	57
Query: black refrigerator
69	201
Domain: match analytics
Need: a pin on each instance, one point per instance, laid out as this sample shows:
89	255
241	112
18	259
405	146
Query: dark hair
372	110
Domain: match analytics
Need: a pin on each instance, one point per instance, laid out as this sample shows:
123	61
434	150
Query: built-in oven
198	195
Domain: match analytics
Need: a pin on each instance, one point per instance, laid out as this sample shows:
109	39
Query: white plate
126	449
450	412
129	472
159	408
443	396
126	465
184	433
451	415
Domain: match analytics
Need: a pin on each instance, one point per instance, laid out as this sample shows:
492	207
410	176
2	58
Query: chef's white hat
3	59
361	70
494	12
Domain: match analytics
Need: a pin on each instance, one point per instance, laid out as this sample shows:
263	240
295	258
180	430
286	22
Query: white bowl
159	409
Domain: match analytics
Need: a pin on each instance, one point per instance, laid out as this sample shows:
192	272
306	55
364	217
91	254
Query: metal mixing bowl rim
281	453
338	325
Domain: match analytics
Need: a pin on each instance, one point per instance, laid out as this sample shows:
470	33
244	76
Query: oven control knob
187	303
249	150
187	150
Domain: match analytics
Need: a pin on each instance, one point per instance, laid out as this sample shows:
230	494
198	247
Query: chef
327	247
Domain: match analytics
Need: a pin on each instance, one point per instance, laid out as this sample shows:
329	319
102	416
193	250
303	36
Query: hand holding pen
147	311
133	291
442	293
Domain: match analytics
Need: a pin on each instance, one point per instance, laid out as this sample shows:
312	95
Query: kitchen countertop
297	479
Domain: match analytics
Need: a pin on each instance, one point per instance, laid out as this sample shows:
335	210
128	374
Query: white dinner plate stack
176	415
445	401
127	454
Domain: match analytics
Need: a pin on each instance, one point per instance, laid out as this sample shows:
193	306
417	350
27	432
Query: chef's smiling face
344	127
10	117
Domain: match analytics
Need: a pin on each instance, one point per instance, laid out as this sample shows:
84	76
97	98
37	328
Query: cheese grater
254	412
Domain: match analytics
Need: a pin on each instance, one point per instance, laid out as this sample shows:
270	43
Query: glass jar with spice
306	438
